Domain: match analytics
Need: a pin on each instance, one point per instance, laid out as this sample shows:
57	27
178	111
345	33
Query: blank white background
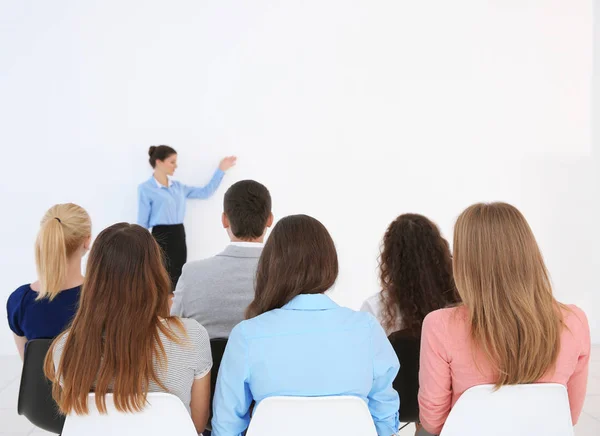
350	111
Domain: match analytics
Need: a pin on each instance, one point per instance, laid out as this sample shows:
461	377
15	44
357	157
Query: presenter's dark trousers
171	239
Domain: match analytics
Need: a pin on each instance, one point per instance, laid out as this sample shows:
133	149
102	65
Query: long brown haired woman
123	340
415	269
297	341
44	308
509	329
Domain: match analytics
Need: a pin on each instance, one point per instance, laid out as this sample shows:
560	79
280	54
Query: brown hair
114	337
503	282
299	258
247	205
63	230
416	273
159	152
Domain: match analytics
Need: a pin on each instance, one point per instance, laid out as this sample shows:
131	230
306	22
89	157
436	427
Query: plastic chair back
519	410
164	414
35	393
315	416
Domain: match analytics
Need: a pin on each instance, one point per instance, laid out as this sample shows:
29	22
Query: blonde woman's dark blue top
34	319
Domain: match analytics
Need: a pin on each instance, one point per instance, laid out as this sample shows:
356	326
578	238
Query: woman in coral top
509	322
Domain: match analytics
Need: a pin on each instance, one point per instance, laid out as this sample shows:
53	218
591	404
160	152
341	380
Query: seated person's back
43	309
216	291
33	318
415	271
306	347
448	333
123	336
187	354
508	309
298	342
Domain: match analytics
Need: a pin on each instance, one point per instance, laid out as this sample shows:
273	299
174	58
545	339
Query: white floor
12	424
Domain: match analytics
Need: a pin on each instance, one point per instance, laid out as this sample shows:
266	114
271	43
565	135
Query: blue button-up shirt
310	347
162	205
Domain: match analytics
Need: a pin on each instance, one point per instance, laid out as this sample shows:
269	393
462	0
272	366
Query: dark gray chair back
217	348
408	349
35	394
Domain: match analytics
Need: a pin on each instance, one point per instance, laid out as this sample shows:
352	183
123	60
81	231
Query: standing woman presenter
161	204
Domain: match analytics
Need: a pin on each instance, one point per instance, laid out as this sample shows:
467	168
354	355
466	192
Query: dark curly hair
415	272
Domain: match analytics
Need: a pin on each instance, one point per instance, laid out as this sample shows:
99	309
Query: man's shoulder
202	263
212	266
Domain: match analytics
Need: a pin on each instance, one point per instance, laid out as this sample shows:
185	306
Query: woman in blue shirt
297	342
44	308
161	204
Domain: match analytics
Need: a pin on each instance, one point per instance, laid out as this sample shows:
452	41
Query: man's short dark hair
247	205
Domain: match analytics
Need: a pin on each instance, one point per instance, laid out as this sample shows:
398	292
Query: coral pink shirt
447	367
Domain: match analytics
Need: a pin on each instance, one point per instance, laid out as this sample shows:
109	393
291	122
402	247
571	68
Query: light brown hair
503	282
114	338
63	230
299	258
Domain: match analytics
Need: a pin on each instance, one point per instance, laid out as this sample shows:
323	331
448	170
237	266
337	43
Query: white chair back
164	414
315	416
521	410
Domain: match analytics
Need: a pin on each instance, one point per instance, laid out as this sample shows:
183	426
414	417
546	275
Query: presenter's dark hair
159	152
247	205
299	258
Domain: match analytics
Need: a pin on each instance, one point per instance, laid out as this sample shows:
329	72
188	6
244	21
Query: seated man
216	291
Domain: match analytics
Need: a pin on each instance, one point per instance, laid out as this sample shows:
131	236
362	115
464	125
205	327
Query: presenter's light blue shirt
310	347
162	205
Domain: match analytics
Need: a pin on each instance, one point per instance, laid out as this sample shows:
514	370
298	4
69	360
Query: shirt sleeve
178	307
366	307
14	307
144	208
435	382
204	357
57	351
383	399
577	384
205	191
231	403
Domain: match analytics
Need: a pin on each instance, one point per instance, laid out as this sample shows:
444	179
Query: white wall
353	112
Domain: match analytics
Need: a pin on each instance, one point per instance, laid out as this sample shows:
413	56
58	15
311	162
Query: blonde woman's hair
64	228
503	282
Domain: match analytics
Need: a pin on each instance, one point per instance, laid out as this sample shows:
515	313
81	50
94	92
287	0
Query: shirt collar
247	244
311	302
170	182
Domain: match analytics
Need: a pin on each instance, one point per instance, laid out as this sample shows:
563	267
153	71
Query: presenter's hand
227	163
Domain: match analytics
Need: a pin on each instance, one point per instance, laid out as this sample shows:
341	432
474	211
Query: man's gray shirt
216	291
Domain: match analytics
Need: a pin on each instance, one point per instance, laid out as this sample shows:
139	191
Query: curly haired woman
415	273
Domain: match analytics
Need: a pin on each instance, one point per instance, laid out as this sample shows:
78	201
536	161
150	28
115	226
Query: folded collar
162	186
311	302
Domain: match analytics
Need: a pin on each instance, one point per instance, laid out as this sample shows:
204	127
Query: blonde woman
44	308
510	329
